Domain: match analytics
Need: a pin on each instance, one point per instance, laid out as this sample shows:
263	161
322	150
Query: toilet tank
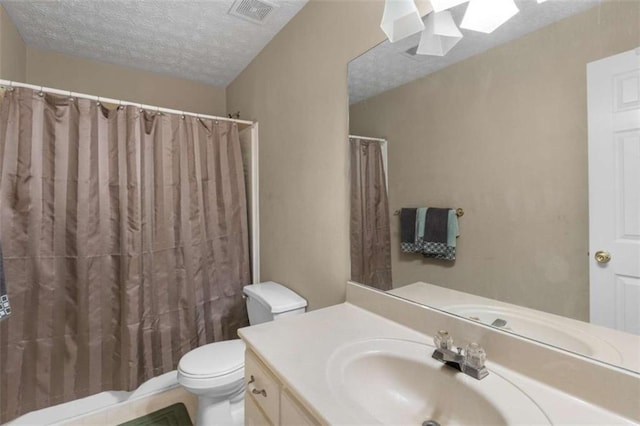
270	301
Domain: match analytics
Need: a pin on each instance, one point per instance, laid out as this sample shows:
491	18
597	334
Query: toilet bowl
215	372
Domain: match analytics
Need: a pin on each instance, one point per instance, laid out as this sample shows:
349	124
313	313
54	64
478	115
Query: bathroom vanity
268	400
364	362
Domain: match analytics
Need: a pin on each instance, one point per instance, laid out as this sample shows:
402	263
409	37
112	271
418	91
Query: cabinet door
292	413
253	416
263	387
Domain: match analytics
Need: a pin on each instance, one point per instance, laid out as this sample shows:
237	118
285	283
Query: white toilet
215	372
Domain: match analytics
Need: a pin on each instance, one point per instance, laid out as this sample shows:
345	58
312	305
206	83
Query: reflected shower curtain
370	232
125	245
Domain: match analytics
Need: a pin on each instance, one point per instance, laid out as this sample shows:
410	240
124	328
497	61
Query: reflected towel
5	308
421	218
453	232
439	242
408	231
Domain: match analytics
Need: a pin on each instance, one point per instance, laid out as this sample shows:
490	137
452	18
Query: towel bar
459	212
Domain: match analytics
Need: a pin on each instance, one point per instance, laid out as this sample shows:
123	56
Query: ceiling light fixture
487	15
440	5
400	19
440	34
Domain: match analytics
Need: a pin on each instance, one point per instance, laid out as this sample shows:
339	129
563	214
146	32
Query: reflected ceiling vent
256	11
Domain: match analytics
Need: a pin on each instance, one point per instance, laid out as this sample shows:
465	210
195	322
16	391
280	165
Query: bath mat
173	415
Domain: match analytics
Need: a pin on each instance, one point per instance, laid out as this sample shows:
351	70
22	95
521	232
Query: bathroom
290	80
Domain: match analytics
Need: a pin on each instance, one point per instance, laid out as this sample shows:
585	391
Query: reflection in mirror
534	130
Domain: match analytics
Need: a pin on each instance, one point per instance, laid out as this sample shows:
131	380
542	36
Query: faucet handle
443	340
474	355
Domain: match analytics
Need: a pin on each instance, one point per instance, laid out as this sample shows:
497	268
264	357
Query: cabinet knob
252	387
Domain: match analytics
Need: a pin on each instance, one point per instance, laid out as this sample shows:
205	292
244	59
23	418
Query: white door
613	91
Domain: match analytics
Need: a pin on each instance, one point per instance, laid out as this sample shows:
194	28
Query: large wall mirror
534	132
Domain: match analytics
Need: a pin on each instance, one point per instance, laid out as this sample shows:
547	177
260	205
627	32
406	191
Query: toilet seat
219	364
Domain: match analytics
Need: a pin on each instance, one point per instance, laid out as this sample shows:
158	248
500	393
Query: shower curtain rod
366	138
8	83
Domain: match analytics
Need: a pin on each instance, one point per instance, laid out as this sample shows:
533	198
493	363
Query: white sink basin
396	382
540	328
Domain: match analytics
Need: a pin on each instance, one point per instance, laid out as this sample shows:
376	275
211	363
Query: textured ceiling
195	40
386	66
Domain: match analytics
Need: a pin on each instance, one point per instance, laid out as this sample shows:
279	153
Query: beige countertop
297	350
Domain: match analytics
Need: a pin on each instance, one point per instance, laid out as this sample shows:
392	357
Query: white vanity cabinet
267	401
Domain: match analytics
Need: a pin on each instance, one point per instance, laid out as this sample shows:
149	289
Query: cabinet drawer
293	414
263	387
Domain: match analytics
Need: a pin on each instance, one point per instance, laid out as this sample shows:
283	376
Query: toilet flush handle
253	389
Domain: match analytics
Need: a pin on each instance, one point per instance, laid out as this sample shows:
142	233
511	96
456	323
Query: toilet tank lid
275	296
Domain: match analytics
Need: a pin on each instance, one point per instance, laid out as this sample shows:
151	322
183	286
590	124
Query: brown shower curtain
370	232
125	243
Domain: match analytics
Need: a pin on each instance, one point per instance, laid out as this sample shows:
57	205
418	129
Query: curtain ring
140	109
70	95
182	115
98	103
120	106
41	92
158	111
11	88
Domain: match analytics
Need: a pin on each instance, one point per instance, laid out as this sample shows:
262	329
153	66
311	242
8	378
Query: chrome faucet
469	360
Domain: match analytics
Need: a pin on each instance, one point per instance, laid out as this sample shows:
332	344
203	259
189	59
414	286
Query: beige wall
504	136
12	50
297	89
60	71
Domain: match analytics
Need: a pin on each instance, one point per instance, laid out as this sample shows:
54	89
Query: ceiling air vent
257	11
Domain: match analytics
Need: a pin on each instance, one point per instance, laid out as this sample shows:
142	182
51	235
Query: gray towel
436	231
408	231
5	308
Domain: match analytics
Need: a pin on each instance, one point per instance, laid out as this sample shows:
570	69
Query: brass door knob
602	256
